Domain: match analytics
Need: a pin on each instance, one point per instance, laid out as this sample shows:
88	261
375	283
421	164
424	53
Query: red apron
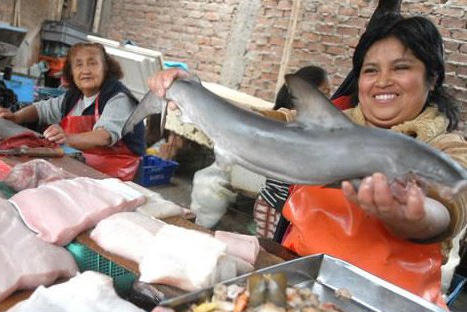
117	161
323	221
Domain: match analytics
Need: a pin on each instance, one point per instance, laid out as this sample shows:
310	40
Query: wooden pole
288	43
97	16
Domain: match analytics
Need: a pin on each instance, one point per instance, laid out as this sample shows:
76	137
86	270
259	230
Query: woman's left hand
410	214
55	133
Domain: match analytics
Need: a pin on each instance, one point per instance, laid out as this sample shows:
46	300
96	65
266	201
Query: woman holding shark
392	229
397	234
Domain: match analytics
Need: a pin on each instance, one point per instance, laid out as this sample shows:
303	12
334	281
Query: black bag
8	98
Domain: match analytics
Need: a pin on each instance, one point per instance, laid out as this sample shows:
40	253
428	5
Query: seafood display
311	283
264	292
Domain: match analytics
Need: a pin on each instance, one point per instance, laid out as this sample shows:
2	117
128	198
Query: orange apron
323	221
117	161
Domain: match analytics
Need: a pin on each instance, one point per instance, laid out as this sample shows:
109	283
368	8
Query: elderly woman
91	114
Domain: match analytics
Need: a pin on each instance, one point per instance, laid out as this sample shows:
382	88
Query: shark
321	147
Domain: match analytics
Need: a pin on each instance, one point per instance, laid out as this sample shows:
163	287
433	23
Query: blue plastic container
154	170
169	64
23	87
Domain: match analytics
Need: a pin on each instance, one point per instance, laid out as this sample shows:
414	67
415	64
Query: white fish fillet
245	247
127	234
89	291
183	258
58	211
26	261
156	206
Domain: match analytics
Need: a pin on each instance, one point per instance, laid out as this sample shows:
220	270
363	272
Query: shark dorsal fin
313	108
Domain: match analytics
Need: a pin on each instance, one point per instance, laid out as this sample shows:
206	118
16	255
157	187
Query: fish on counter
172	255
33	173
186	259
245	247
60	210
310	149
127	234
88	291
156	206
25	260
263	293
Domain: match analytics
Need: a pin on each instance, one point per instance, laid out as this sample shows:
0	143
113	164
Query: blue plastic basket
23	87
154	170
169	64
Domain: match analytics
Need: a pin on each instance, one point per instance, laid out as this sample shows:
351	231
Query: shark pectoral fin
149	105
313	107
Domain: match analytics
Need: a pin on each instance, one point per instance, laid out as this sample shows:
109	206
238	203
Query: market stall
272	253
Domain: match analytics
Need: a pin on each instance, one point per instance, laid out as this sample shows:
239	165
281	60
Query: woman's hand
409	214
55	133
161	81
5	113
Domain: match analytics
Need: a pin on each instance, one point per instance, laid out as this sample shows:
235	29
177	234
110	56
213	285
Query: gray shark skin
323	146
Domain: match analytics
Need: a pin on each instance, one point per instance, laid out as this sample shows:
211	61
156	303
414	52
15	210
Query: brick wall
6	11
204	33
198	32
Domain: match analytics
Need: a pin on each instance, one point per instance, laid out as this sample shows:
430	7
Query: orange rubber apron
117	161
323	221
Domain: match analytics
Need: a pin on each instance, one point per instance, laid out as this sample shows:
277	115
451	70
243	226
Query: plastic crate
47	92
169	64
11	34
23	87
55	64
62	32
87	259
154	170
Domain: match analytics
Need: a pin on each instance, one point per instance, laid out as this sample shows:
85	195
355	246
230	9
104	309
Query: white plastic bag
210	196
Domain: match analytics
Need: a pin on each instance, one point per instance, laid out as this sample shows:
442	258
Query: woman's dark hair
112	68
314	74
422	37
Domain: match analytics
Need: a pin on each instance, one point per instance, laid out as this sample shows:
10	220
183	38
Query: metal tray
324	275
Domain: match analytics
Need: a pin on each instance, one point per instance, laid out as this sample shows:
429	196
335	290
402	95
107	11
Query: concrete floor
239	217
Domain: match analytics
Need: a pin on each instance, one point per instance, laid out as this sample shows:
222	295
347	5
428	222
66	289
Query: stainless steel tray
324	275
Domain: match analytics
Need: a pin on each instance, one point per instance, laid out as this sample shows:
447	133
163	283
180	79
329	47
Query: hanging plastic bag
211	195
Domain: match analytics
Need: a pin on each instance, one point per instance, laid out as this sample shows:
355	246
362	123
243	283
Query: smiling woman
401	236
392	87
91	114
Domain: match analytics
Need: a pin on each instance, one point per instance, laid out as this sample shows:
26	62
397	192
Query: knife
33	152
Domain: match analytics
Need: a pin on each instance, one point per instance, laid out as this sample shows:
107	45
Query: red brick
336	50
458	58
324	28
459	34
451	22
330	39
451	45
284	5
277	41
348	31
347	11
451	11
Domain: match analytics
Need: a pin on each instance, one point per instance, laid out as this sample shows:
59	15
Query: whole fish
321	147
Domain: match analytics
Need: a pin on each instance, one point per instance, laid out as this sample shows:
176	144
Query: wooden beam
288	43
97	16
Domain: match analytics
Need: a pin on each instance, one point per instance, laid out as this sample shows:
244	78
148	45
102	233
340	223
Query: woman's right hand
5	113
161	81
